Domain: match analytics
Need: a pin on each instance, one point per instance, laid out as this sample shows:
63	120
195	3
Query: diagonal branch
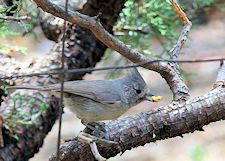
179	89
184	33
174	52
92	23
167	122
180	12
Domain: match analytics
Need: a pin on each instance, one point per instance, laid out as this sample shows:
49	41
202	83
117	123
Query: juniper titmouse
97	100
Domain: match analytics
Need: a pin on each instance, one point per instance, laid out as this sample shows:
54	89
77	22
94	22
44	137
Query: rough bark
82	45
169	121
137	130
83	51
173	120
182	116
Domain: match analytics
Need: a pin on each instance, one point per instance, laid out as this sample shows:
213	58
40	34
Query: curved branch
178	87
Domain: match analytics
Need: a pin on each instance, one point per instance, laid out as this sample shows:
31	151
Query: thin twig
1	136
220	80
181	92
98	140
17	19
126	29
180	12
174	52
81	70
184	33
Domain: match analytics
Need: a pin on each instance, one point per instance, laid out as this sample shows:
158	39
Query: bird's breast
90	110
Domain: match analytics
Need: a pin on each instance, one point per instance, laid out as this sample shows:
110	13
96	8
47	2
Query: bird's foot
92	140
97	128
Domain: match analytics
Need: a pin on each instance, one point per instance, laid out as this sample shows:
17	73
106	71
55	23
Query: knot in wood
219	84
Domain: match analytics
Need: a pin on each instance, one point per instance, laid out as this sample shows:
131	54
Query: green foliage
32	12
145	20
23	113
202	3
4	25
24	116
11	28
4	30
150	17
9	48
198	153
157	19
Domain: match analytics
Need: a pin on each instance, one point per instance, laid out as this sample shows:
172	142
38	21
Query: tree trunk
22	141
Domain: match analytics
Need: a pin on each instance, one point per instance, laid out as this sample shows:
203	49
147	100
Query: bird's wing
98	90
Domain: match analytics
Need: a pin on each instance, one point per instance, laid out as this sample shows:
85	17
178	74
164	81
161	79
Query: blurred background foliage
198	153
143	20
17	8
140	22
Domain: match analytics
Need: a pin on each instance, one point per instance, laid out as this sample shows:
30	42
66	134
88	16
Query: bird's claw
96	128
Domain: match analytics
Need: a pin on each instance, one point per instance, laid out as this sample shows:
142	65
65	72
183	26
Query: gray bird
97	100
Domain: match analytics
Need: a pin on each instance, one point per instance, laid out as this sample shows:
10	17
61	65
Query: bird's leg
92	140
100	126
93	127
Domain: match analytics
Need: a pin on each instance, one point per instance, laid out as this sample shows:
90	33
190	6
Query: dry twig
11	18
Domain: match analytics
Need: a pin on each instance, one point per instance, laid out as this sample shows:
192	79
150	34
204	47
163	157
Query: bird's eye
138	91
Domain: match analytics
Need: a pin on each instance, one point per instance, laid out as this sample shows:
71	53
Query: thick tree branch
173	120
167	122
31	137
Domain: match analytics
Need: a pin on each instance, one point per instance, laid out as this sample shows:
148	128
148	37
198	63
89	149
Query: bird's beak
152	98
